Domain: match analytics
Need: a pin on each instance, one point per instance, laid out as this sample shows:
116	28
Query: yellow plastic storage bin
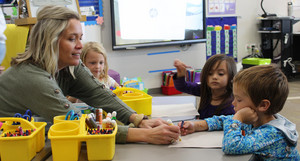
21	147
66	138
61	118
138	100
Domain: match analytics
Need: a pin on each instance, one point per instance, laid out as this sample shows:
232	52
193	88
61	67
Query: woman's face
70	45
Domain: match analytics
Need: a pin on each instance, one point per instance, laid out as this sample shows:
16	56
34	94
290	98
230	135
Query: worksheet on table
205	139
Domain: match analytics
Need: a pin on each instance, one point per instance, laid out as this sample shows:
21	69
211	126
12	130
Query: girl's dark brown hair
206	94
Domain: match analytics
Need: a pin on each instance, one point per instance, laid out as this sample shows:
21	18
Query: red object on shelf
169	90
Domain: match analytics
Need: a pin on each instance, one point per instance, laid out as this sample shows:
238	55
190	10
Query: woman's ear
264	105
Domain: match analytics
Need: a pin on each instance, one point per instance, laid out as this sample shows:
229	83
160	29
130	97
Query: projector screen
147	23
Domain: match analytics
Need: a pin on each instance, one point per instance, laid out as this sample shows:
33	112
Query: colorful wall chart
93	9
217	7
221	33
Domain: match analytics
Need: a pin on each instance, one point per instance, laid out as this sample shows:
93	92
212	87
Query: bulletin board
221	33
98	6
35	4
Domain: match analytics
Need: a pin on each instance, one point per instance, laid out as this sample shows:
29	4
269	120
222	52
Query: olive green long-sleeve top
27	86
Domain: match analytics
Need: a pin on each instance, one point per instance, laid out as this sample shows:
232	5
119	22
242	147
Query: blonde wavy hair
43	49
98	48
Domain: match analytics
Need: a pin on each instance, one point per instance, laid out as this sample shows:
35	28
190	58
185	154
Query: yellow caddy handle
17	119
120	91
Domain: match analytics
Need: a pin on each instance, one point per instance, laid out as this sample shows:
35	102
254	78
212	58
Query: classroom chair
15	43
115	75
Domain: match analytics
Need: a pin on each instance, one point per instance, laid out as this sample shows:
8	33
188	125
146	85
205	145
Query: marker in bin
114	115
99	113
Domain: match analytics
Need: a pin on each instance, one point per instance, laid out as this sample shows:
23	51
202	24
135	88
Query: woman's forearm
137	135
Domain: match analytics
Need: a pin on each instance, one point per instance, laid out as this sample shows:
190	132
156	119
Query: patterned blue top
267	141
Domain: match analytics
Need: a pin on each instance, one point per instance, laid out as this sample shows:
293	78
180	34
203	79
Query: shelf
280	29
25	21
32	20
269	32
278	18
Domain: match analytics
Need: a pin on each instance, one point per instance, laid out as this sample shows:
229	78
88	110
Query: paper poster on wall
221	7
36	4
221	35
93	10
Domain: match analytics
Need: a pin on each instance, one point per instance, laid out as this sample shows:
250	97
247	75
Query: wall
133	63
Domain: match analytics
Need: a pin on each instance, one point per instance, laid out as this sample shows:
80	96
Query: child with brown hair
259	94
215	89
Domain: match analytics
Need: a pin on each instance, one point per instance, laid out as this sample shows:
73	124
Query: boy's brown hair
264	82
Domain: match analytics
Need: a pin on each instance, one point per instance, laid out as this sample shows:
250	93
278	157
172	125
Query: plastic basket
169	90
61	118
21	147
248	62
66	138
138	100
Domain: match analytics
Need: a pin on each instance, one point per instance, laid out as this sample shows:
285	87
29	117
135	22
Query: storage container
249	62
21	147
138	100
61	118
66	138
169	90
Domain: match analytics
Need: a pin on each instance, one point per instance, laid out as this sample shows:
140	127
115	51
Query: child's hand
181	68
186	128
246	115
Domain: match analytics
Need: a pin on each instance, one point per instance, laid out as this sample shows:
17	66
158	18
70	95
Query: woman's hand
187	127
163	134
181	68
151	123
156	131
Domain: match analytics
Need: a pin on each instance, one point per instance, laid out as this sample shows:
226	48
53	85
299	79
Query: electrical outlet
247	47
250	48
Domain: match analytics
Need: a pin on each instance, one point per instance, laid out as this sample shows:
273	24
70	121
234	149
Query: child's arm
240	139
246	115
235	139
181	68
211	124
116	85
189	127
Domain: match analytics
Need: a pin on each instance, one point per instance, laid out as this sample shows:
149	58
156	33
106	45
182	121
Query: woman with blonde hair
41	77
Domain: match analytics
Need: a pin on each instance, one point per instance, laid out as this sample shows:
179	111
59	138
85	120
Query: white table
149	152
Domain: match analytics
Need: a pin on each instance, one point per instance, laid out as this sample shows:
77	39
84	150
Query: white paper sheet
205	139
174	110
